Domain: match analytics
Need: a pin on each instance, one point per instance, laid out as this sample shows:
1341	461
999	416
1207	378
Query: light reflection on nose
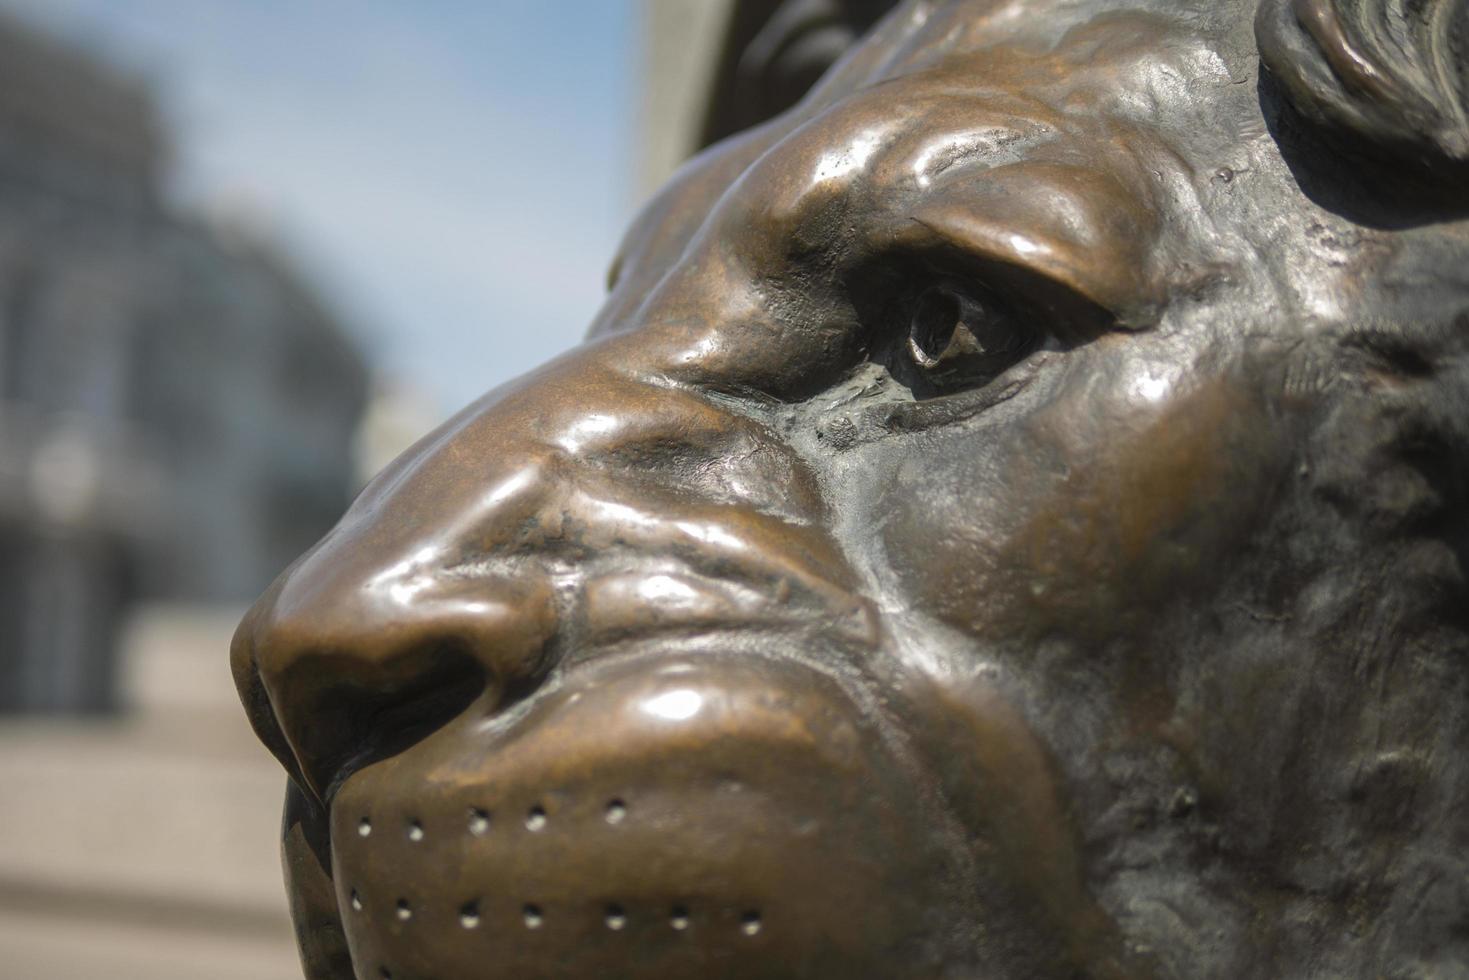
406	579
585	430
679	705
847	159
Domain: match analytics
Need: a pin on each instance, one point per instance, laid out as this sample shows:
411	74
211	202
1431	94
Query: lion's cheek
1081	521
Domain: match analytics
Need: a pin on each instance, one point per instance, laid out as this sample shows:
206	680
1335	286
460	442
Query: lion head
1007	521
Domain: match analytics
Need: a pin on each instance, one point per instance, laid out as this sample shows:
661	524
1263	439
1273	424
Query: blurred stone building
176	407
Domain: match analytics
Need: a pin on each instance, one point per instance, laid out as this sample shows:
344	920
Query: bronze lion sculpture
1008	521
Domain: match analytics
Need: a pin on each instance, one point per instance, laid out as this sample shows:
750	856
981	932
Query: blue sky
455	175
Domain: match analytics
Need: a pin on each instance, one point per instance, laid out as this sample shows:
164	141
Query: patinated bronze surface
1008	521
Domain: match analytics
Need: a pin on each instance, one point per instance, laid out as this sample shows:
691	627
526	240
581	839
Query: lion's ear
1391	77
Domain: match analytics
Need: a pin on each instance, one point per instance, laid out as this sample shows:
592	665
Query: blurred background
249	251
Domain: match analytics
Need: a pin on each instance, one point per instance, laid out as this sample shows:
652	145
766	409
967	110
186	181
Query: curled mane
1392	75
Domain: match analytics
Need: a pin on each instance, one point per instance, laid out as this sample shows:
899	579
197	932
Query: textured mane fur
1392	74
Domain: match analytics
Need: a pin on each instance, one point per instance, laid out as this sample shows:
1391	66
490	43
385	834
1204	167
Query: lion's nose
399	621
356	659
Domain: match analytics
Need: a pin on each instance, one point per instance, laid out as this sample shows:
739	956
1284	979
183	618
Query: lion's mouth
726	815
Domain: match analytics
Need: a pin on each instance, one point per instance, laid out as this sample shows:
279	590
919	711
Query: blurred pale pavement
144	848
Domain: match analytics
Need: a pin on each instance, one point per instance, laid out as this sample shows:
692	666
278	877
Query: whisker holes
616	918
532	916
536	818
750	923
356	901
679	918
479	821
469	915
616	812
404	911
364	827
415	831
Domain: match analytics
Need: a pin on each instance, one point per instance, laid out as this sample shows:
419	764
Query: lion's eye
964	339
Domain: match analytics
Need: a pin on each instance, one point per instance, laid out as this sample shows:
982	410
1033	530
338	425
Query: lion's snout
556	697
582	526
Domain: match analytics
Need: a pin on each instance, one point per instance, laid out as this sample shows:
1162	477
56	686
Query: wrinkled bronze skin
749	639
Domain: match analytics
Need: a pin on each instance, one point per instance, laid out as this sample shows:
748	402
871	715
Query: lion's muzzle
578	709
652	815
